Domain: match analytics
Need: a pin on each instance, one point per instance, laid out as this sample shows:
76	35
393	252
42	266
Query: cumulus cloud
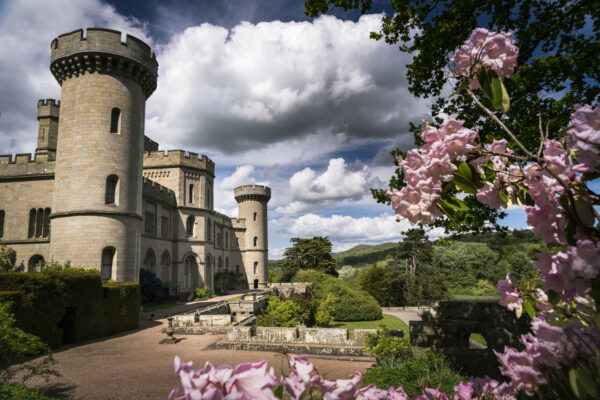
27	27
224	200
346	231
340	182
280	89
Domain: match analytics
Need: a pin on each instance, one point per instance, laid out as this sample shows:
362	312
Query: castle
98	192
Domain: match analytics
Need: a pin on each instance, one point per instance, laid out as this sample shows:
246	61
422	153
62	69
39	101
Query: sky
309	107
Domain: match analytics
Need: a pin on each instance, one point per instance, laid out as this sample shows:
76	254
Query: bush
151	287
226	281
324	313
414	374
386	348
21	392
282	313
121	307
202	293
8	257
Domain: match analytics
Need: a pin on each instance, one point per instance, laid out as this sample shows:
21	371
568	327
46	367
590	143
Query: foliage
389	321
202	293
415	374
151	287
306	254
282	313
21	392
364	254
352	304
16	346
324	316
55	266
414	250
227	280
8	257
385	347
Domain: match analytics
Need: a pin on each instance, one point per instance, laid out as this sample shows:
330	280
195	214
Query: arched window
220	265
191	194
219	239
39	221
1	223
31	231
108	258
36	263
237	269
115	120
255	216
165	267
189	225
191	272
255	267
255	241
208	229
150	260
226	262
110	196
46	226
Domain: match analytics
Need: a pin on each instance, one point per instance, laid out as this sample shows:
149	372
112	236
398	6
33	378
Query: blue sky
310	107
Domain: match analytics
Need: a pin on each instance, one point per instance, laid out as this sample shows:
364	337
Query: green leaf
529	308
278	392
463	179
454	203
585	212
553	297
500	99
573	382
503	196
484	81
587	382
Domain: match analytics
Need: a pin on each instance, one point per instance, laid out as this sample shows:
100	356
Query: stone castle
98	192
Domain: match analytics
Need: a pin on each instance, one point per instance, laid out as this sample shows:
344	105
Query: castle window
255	241
165	267
164	227
220	265
1	223
208	233
191	195
46	223
39	219
31	232
189	226
219	239
226	262
149	223
110	197
255	216
255	267
226	239
237	269
191	272
150	260
108	258
115	120
36	263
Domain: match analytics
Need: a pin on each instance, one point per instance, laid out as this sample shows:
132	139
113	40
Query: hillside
365	254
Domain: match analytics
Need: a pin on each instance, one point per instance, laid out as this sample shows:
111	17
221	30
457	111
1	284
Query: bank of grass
389	321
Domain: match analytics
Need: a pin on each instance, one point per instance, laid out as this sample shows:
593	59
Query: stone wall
288	289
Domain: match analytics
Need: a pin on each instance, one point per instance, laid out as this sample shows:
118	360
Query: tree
558	67
8	257
414	250
312	253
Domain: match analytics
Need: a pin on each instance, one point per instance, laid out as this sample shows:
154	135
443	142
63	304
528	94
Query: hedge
70	306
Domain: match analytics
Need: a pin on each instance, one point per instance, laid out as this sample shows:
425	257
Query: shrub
8	257
283	313
121	307
55	266
323	316
21	392
202	293
386	348
151	287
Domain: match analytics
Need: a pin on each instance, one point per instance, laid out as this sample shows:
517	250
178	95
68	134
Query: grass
236	298
472	297
155	307
389	321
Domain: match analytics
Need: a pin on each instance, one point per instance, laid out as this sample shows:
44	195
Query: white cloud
224	201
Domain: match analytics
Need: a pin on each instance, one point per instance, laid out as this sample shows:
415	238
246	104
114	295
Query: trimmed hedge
63	307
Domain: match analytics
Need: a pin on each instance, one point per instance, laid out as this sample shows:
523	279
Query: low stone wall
288	289
248	304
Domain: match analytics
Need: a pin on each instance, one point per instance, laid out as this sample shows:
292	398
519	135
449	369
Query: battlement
238	223
252	192
178	158
101	50
157	191
26	164
48	108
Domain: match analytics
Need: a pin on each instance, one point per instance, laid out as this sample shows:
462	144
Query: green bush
386	348
414	374
282	313
324	314
202	293
8	257
21	392
121	307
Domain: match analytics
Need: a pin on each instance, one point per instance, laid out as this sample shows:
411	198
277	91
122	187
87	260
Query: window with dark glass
1	223
208	228
255	241
39	221
164	227
115	120
255	216
219	239
189	225
255	267
111	189
46	223
191	195
108	255
31	231
149	223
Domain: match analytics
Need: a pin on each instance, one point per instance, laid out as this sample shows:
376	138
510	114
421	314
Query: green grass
236	298
155	307
478	338
389	321
471	297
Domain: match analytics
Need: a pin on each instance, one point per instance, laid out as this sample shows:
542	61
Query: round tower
96	215
252	203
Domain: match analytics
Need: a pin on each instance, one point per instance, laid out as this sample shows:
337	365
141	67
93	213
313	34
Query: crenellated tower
96	214
47	115
252	203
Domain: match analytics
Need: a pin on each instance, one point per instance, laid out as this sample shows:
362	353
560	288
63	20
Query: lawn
389	321
236	298
155	307
478	298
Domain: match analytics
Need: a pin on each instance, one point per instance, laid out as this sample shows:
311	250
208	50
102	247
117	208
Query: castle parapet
48	108
252	192
158	192
178	158
26	165
238	223
101	50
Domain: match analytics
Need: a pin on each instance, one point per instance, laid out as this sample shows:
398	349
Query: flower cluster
509	297
494	50
427	168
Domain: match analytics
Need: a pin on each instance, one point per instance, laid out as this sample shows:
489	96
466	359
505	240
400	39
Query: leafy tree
465	263
8	257
415	249
151	287
558	67
312	253
284	313
387	285
324	314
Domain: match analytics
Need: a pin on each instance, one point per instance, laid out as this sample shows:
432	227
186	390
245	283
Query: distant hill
365	254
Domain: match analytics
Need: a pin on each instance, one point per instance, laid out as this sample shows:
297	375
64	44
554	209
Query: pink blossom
252	380
372	393
519	367
586	259
559	275
490	195
489	49
547	221
344	388
584	137
397	394
433	394
509	297
464	391
489	388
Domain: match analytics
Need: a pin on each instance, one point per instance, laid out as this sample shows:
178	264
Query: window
237	269
165	230
165	267
191	195
115	120
150	260
226	262
189	226
208	233
149	223
36	263
1	223
31	232
255	267
111	189
46	224
39	219
226	239
108	257
255	216
219	239
191	272
220	265
255	241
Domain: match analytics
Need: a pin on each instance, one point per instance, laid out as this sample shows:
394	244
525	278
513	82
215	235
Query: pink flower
372	393
489	388
584	137
509	297
518	366
397	394
559	275
547	221
344	388
433	394
491	50
464	391
252	380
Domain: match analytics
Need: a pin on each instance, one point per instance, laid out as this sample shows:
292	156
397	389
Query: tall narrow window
39	219
191	195
149	223
219	239
189	226
226	239
115	120
237	269
31	231
255	216
220	265
1	223
108	256
208	228
255	267
150	260
226	262
165	267
110	196
165	230
46	222
255	241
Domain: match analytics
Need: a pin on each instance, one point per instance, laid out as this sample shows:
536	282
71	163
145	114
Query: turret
47	115
252	203
96	215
